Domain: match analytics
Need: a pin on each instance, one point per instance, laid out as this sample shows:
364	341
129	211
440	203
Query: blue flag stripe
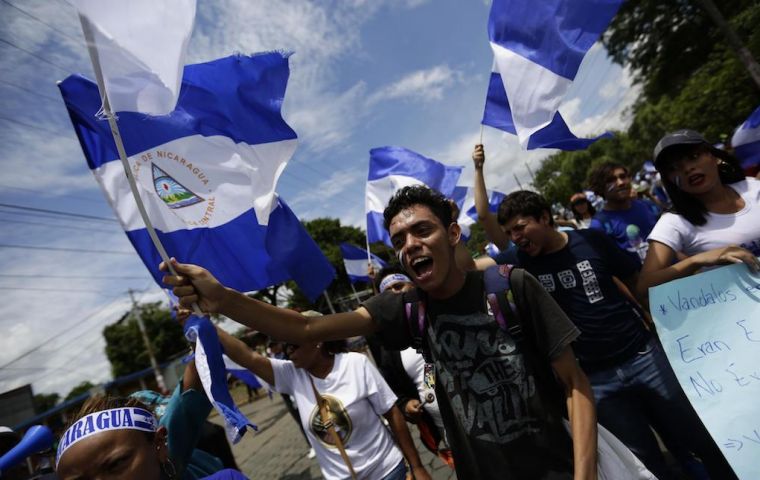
555	34
557	134
227	97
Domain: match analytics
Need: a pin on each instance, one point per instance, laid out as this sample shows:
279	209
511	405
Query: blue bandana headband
105	420
391	279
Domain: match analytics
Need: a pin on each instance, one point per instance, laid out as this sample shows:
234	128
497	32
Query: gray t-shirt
499	401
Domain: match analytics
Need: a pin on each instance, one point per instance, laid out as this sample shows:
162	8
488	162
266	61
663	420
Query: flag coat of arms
207	174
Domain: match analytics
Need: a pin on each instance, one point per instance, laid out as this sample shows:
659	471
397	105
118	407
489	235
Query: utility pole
532	177
148	346
518	181
745	56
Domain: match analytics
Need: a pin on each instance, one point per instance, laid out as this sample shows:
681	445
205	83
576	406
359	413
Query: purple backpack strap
498	294
416	323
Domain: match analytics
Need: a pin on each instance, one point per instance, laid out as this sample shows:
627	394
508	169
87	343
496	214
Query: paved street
278	450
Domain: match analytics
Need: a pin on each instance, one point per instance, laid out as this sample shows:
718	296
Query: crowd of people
521	365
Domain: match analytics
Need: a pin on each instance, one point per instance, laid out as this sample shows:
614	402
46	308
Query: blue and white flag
209	362
468	214
746	141
212	369
241	373
538	48
392	168
122	38
355	261
207	174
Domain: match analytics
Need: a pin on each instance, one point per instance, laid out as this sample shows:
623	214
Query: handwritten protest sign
709	325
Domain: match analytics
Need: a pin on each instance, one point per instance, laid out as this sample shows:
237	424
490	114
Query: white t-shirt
357	395
721	230
414	365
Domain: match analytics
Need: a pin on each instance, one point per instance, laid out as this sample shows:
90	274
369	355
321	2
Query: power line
31	125
42	22
59	333
42	192
61	249
41	95
71	277
38	57
57	212
33	289
84	348
53	225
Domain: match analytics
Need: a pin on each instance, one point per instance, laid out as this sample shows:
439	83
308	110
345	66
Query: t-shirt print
339	417
484	376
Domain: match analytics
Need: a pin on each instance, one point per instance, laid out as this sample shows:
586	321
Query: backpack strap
416	319
501	299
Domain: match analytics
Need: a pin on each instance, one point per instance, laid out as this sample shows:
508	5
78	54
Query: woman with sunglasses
716	211
354	396
582	209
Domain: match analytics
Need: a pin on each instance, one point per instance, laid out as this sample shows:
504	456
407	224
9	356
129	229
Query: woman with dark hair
582	209
352	441
121	438
715	218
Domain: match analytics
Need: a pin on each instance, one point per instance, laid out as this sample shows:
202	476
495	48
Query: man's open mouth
422	266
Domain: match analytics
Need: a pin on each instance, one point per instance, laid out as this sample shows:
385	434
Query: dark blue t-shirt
629	228
579	278
227	474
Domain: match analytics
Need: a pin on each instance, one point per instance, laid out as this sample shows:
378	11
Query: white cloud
426	85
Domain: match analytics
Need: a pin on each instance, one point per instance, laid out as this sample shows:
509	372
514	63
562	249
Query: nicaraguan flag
207	174
538	48
355	261
243	374
746	141
392	168
139	47
212	369
468	214
210	364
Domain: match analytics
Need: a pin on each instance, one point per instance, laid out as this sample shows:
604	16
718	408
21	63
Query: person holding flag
500	380
121	439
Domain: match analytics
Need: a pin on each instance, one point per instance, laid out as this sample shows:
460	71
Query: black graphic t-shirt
579	278
502	417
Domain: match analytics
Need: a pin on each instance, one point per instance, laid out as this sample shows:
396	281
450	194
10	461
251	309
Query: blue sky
365	73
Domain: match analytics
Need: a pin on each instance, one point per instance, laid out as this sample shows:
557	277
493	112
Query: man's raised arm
194	284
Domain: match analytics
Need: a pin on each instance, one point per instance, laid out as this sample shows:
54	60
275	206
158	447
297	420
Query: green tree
125	348
691	79
665	42
83	387
45	401
329	234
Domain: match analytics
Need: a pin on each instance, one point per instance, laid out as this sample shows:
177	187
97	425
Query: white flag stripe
239	170
380	191
534	92
141	47
743	136
358	268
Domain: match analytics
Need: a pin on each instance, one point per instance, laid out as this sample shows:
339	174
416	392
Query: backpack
501	294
